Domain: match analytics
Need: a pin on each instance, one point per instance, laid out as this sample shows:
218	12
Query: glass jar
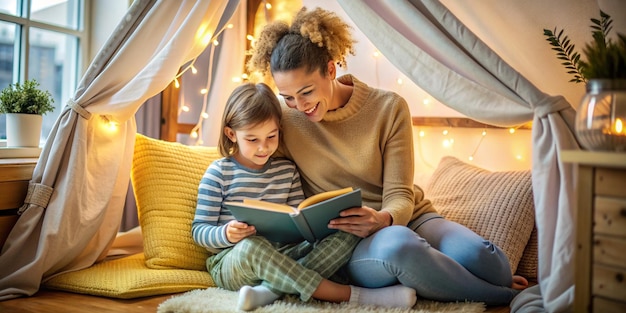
601	116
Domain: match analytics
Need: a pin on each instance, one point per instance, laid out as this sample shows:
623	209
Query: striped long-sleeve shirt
227	180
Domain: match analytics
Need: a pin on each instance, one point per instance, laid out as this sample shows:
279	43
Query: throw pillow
128	278
496	205
165	177
527	266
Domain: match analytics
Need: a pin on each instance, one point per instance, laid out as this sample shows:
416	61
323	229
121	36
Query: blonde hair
247	106
313	39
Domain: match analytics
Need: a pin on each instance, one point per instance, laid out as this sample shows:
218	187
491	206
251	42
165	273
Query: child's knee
251	245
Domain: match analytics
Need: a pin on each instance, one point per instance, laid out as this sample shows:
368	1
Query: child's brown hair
247	106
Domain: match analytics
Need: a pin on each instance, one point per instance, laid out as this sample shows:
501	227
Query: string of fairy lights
448	140
196	131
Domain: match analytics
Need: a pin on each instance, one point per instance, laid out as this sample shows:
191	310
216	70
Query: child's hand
236	231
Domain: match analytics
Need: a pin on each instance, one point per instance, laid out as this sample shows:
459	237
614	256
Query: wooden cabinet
600	278
14	177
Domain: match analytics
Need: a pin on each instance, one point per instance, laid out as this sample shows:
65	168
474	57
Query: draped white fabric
436	51
73	210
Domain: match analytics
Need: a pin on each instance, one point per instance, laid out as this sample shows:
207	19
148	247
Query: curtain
75	200
148	120
436	51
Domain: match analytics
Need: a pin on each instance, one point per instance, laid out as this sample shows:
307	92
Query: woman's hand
236	231
361	222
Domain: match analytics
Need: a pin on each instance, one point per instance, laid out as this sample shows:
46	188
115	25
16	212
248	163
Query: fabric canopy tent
74	204
435	50
75	199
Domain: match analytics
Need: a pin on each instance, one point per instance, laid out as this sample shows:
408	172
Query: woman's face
309	93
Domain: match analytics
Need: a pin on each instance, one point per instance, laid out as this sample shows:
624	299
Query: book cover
309	221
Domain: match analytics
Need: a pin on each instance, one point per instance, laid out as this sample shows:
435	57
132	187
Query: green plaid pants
284	269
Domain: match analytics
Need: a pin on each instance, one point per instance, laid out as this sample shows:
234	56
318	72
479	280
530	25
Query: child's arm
206	229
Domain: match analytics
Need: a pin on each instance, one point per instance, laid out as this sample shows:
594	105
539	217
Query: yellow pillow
128	278
496	205
165	177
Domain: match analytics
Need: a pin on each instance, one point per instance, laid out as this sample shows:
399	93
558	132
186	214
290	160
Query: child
262	270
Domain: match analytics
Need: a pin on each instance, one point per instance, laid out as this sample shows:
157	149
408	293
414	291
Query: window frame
82	33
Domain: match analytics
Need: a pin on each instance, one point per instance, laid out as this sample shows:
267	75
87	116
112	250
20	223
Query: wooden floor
64	302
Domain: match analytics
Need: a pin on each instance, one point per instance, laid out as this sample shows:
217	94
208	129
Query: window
44	40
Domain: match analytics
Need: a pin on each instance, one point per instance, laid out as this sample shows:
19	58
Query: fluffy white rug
220	300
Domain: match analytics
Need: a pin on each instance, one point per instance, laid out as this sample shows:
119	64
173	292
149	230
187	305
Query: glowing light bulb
112	126
511	130
445	132
471	158
215	42
206	39
185	108
194	70
268	5
484	133
250	37
426	101
109	124
176	83
399	81
244	76
204	91
205	115
422	133
230	25
446	143
194	134
376	54
236	79
619	126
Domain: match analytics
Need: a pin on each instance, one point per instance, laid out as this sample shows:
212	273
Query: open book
284	223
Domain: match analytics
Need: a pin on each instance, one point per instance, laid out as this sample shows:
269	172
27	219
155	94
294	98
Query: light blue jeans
442	260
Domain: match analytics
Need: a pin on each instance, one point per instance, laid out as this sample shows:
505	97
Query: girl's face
256	144
309	93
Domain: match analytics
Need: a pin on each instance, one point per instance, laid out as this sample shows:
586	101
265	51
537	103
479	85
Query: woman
341	132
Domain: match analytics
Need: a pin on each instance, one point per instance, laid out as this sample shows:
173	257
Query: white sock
251	298
397	296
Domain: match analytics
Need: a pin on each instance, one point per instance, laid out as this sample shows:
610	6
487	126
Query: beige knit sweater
367	144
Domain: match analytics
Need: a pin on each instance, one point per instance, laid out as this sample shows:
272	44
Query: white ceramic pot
23	130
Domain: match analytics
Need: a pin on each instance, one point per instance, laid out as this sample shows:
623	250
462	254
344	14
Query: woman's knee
393	244
380	259
483	258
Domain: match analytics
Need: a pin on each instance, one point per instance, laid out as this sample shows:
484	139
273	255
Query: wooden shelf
15	175
461	122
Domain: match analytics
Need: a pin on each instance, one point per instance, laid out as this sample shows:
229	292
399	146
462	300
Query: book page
270	206
323	196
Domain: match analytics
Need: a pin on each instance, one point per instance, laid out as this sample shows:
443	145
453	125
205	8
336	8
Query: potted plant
601	115
24	105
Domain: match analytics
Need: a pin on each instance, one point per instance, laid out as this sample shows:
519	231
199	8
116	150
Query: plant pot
23	130
601	116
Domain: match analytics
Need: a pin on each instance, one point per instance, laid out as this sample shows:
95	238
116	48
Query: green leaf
25	98
603	57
